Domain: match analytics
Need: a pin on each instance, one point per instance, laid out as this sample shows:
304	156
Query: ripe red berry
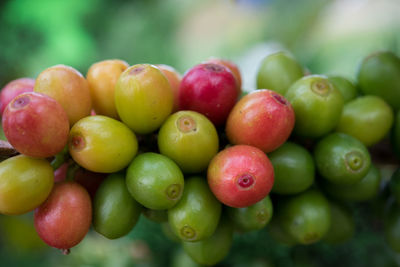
64	219
36	125
240	176
13	89
210	89
263	119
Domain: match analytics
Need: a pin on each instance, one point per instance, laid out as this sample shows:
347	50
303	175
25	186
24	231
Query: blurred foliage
327	36
38	34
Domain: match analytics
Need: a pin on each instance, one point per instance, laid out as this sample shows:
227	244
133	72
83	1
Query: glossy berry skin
189	139
102	77
155	181
64	219
195	217
36	125
102	144
361	191
278	71
379	74
209	89
306	217
232	67
345	86
317	105
240	176
294	169
143	98
174	78
14	88
251	218
368	118
25	183
115	212
262	118
341	159
69	88
212	250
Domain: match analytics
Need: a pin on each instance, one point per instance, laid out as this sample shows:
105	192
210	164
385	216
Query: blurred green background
326	36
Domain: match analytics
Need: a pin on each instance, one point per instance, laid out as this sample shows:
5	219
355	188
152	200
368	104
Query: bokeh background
326	36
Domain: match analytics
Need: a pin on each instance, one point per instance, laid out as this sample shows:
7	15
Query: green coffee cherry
379	74
213	249
341	159
367	188
278	71
294	169
254	217
317	105
367	118
306	217
346	87
115	212
196	215
155	181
